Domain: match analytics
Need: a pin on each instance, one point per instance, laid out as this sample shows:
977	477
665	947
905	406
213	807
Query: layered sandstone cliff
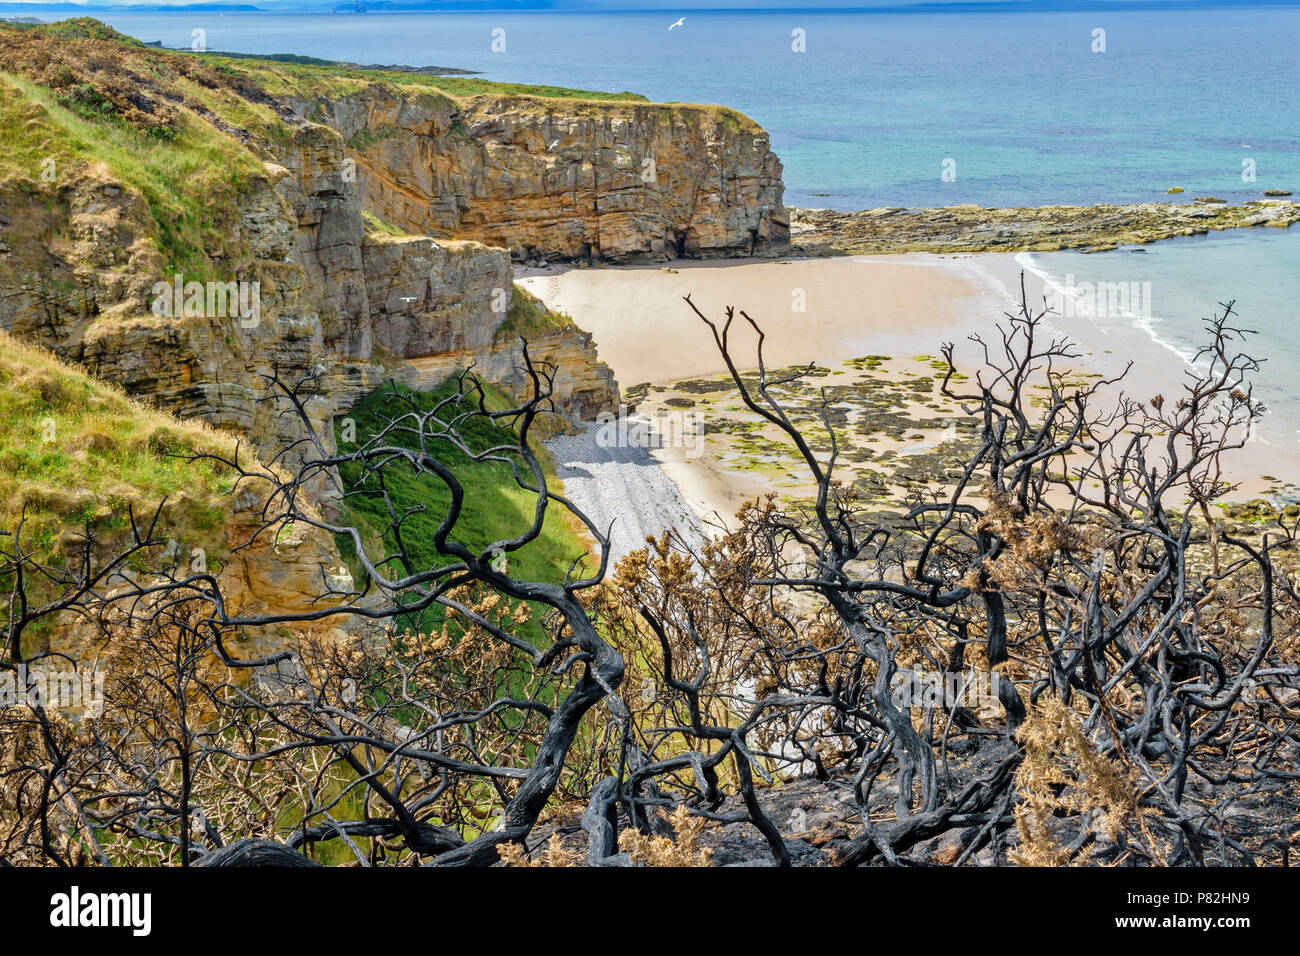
372	226
339	303
571	179
376	219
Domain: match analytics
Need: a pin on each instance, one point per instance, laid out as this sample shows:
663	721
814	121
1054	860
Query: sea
1006	108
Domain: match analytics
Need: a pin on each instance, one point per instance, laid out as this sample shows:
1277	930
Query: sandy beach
893	312
811	310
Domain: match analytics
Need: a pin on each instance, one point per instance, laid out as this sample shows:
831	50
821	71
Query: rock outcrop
570	179
582	389
434	297
428	301
1035	229
337	301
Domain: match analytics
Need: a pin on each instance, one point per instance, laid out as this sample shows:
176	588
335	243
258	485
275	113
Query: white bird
679	23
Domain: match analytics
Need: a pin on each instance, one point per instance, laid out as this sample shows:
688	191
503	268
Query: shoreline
1158	367
894	308
976	229
853	307
811	309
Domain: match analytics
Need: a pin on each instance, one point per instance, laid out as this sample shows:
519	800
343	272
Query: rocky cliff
371	217
570	179
153	185
188	228
428	301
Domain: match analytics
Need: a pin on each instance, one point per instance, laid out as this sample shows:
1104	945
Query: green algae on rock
1036	229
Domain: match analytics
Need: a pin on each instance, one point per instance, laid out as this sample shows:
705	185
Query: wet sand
810	310
1258	468
827	311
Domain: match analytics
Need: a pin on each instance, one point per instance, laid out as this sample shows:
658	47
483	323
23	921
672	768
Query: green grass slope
495	508
78	455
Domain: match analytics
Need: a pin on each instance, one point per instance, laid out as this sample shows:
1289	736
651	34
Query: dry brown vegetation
95	70
1145	684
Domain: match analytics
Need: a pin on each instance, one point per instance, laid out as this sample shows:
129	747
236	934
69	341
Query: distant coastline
298	58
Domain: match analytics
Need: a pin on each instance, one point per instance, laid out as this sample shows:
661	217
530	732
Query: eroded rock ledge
338	300
587	180
1035	229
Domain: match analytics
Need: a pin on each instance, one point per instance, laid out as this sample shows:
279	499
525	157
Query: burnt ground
818	819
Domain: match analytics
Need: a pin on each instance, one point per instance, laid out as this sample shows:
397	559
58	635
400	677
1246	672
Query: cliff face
371	219
376	221
365	231
347	306
431	297
428	299
578	179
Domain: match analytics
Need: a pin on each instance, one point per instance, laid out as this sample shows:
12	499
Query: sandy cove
871	325
812	310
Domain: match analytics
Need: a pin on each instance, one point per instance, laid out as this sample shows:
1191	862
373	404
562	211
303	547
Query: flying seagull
679	23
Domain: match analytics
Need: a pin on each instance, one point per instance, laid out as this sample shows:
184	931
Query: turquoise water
867	115
1182	283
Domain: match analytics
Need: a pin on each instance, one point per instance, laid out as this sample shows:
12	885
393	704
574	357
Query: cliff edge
589	180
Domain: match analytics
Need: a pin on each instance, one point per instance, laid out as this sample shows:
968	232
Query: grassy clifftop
79	101
290	76
299	81
78	454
